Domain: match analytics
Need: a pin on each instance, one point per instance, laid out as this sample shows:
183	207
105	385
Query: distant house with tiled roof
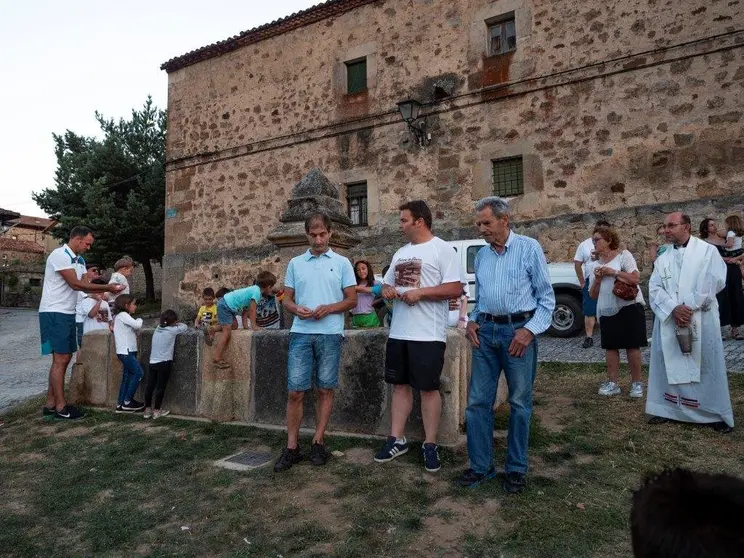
34	230
20	251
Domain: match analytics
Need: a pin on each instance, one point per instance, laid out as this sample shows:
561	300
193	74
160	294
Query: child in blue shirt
240	301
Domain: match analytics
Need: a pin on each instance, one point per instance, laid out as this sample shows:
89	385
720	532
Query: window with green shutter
508	177
356	76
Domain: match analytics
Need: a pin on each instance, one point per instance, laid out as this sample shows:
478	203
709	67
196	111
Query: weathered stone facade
624	110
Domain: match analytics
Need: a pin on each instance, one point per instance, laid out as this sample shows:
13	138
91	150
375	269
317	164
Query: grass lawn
113	485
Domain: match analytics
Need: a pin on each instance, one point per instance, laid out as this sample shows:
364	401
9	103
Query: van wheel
568	316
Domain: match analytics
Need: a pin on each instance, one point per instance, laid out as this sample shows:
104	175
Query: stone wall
254	389
137	280
20	285
614	108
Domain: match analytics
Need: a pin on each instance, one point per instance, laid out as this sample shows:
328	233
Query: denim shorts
58	333
225	315
309	352
589	305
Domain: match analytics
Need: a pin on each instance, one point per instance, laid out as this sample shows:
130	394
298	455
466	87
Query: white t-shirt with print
415	266
584	255
100	321
56	294
117	277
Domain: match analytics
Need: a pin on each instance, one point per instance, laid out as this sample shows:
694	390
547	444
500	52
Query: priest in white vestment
682	293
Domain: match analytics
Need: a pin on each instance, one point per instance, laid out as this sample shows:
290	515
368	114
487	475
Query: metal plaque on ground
245	460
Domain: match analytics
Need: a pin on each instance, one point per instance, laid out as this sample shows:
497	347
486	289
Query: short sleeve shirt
207	314
319	280
102	318
239	299
584	255
56	294
416	266
117	277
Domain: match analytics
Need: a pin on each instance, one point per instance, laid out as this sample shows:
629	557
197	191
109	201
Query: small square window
502	36
356	196
356	76
508	177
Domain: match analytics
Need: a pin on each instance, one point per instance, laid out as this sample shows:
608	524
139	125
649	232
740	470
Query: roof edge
314	14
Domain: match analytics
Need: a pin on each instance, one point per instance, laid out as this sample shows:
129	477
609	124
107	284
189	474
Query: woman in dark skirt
733	254
622	322
709	233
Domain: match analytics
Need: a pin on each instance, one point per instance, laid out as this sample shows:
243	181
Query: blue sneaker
391	450
431	457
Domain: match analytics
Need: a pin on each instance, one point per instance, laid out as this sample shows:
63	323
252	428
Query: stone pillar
313	193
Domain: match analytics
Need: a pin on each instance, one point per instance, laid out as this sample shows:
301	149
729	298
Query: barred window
356	76
356	196
508	177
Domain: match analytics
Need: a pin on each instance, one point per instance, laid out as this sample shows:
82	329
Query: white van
568	316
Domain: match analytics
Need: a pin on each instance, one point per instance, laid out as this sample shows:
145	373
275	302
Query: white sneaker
636	390
156	414
609	388
147	414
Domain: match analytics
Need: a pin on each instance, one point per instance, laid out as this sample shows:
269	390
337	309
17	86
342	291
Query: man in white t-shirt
584	263
62	281
423	276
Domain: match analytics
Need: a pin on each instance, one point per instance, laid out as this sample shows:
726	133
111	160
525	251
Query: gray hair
499	206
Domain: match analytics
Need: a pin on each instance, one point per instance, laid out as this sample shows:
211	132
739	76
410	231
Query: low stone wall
254	389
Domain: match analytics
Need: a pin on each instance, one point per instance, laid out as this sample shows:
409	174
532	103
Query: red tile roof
33	222
331	8
13	245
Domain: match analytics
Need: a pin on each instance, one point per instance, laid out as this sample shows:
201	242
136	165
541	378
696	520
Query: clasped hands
410	297
601	271
305	313
682	315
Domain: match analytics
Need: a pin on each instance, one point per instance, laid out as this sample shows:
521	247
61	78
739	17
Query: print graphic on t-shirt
408	273
267	314
102	316
207	317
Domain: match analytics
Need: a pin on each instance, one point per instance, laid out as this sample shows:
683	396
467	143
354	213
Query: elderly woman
622	322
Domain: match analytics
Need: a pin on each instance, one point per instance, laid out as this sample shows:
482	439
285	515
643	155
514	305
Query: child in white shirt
125	338
123	269
161	362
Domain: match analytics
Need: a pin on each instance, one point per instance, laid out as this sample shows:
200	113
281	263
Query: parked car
568	316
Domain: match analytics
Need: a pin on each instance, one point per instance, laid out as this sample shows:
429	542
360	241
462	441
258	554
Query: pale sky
63	60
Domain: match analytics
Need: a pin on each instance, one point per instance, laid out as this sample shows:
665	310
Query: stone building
574	110
33	229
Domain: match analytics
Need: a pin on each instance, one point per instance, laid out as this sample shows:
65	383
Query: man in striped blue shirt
515	303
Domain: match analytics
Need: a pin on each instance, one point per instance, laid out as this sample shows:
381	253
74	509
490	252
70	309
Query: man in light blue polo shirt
319	288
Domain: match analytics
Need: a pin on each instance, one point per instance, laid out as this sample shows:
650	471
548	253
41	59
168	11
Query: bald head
677	227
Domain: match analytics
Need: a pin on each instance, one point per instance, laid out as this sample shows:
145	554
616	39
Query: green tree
116	186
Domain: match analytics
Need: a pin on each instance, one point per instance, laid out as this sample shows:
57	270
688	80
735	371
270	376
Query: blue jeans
130	377
488	361
308	351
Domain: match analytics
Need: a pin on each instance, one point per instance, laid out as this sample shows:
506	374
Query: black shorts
417	363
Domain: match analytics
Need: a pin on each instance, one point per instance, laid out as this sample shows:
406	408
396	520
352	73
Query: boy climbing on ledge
240	301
